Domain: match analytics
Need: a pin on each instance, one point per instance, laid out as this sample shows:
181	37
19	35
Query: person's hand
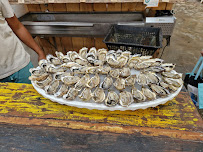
41	56
202	52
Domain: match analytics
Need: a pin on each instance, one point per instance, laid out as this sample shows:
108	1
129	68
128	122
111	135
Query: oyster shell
126	53
148	94
133	61
114	73
173	75
98	63
51	88
155	69
142	79
82	82
174	82
160	91
137	94
93	50
172	88
112	61
39	78
125	72
130	80
78	70
63	89
43	83
73	56
164	85
58	75
153	78
92	70
83	52
102	54
104	69
43	63
112	99
59	55
53	69
81	61
142	65
122	60
71	95
118	52
107	83
69	80
168	66
119	83
86	94
145	57
93	82
125	98
98	95
91	57
37	71
70	65
54	60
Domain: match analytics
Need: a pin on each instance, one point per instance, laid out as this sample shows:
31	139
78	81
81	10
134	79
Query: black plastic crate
138	40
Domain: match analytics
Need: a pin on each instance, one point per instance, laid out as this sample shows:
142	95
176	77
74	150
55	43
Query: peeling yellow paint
23	100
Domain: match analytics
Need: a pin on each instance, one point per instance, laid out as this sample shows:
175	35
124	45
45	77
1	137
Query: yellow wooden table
20	104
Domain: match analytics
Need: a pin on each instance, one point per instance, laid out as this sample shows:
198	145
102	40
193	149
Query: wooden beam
128	7
34	8
111	7
97	7
59	7
73	7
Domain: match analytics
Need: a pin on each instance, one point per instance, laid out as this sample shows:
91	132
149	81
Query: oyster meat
168	66
104	69
51	88
92	70
70	65
171	74
130	80
174	82
160	91
43	83
107	83
53	60
154	69
93	82
58	75
137	94
119	84
122	60
112	99
86	94
148	94
142	79
71	95
102	55
83	52
125	72
98	95
53	69
114	73
164	85
125	98
63	89
69	80
133	61
82	82
153	78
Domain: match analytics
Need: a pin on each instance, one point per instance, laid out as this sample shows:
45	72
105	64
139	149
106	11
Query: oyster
133	61
155	62
153	78
174	82
43	63
148	94
172	88
92	70
71	95
142	65
173	75
59	55
69	80
164	85
37	71
126	53
125	72
53	60
98	95
51	88
81	61
102	54
145	57
86	94
125	98
130	80
73	56
91	57
118	52
168	66
112	99
39	78
82	82
119	83
53	69
104	69
155	69
142	79
112	61
160	91
58	75
63	89
98	63
122	60
66	59
43	83
93	50
107	83
78	70
114	73
137	94
93	82
83	52
70	65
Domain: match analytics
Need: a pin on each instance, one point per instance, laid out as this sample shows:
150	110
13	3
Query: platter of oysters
106	80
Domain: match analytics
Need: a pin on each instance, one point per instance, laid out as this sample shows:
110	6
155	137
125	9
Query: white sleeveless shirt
13	57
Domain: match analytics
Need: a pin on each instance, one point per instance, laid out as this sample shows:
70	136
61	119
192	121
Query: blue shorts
21	76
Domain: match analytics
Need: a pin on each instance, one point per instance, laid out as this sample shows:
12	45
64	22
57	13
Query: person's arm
23	34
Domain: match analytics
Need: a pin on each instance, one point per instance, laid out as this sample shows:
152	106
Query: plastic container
138	40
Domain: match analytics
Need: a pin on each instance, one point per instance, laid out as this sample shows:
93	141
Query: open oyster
137	94
53	60
122	60
107	83
119	84
93	82
104	69
125	98
153	78
133	61
63	89
98	95
130	80
174	82
173	75
51	88
142	79
69	80
114	73
86	94
82	82
112	99
168	66
149	94
43	83
70	65
160	91
102	55
83	52
125	72
71	95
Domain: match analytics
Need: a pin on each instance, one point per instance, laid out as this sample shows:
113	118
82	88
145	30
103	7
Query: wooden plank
128	7
140	7
99	43
85	7
59	7
89	42
169	6
178	118
73	7
66	43
58	44
111	7
97	7
47	46
34	8
46	7
77	43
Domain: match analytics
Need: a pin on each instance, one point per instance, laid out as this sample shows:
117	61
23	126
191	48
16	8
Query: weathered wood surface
83	1
21	104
